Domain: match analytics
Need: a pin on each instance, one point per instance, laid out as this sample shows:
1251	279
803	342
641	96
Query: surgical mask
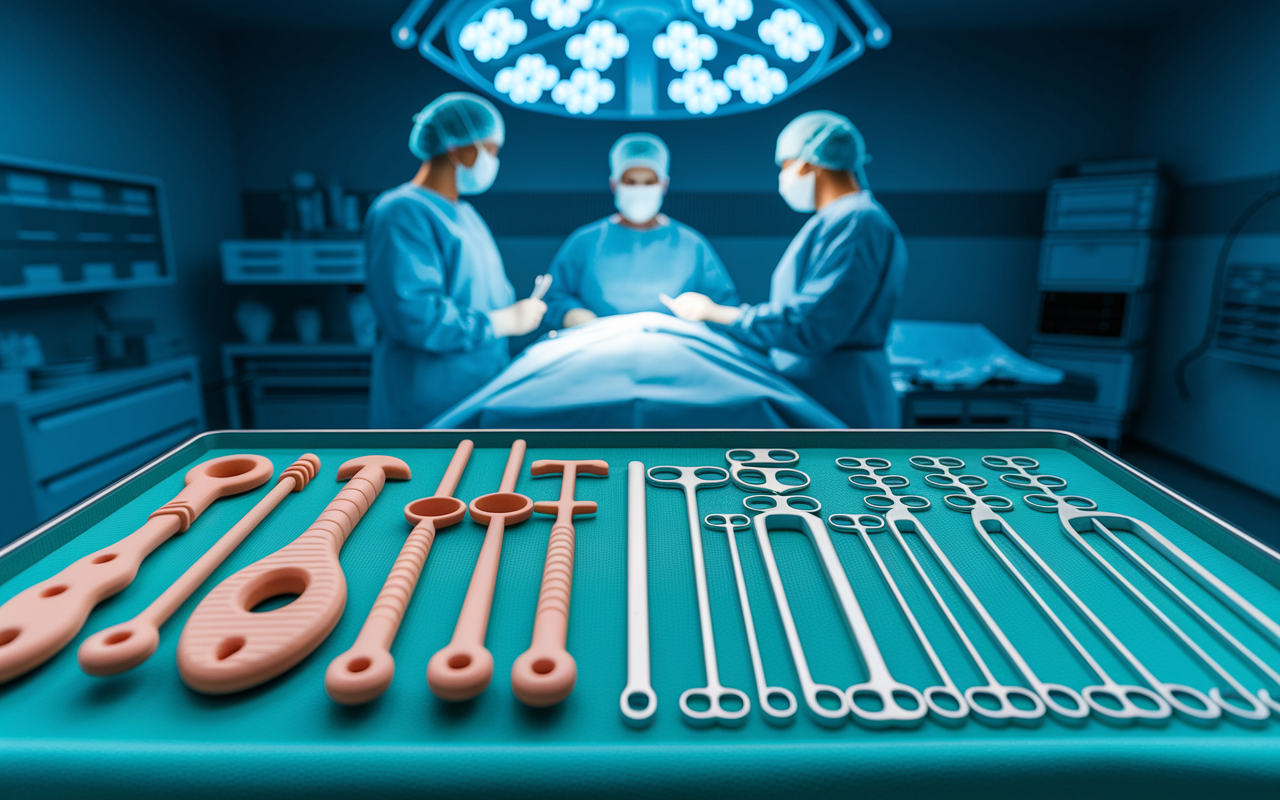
638	204
797	189
477	178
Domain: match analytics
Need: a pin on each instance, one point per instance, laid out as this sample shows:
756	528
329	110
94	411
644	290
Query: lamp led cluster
641	59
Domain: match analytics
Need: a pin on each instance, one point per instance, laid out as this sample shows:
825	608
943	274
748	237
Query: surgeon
624	262
834	291
444	305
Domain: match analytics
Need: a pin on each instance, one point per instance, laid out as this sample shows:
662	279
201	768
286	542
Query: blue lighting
640	59
684	47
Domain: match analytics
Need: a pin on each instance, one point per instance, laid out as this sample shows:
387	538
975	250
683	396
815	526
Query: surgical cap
824	139
639	150
454	120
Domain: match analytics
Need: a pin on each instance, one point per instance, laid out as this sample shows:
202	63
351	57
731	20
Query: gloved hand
695	307
517	319
578	316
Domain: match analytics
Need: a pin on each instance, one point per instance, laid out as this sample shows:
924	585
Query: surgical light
641	59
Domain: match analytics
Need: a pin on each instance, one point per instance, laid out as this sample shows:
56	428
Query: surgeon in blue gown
623	263
834	291
444	305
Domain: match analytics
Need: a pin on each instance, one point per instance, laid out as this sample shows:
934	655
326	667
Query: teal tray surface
144	733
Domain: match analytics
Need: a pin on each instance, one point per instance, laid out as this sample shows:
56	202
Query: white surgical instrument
866	524
985	512
638	700
1072	509
770	467
730	524
690	480
785	513
899	512
541	285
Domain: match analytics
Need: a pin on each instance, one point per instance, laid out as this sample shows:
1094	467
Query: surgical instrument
226	646
39	621
541	285
123	647
865	525
1168	549
773	511
638	700
463	668
545	674
690	480
984	511
1071	508
730	524
899	511
771	467
366	670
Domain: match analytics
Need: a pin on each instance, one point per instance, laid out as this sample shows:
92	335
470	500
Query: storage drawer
64	438
1119	375
259	262
1069	262
1133	203
330	262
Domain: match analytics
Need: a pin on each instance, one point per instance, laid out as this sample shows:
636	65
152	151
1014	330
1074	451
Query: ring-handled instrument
1021	477
1080	514
899	511
227	647
984	511
366	670
545	674
956	708
123	647
690	480
638	700
39	621
541	285
799	511
765	694
463	668
766	470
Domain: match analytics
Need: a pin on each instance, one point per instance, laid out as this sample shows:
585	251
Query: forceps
1073	510
541	285
865	524
730	524
898	511
985	512
770	466
690	480
777	512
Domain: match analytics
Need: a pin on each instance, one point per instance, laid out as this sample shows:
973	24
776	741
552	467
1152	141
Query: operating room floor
1248	509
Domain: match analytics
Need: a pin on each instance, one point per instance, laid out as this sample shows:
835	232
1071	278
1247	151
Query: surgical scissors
984	511
690	480
1075	508
866	524
770	466
777	512
899	511
731	524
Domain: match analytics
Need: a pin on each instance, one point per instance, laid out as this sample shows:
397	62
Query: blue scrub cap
824	139
455	120
639	150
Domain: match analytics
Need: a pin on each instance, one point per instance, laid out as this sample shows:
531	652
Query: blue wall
128	88
1209	104
942	113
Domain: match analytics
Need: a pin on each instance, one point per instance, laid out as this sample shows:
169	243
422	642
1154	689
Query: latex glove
578	316
695	307
517	319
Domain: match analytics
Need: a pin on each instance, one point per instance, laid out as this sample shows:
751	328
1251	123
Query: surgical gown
830	306
609	268
434	270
